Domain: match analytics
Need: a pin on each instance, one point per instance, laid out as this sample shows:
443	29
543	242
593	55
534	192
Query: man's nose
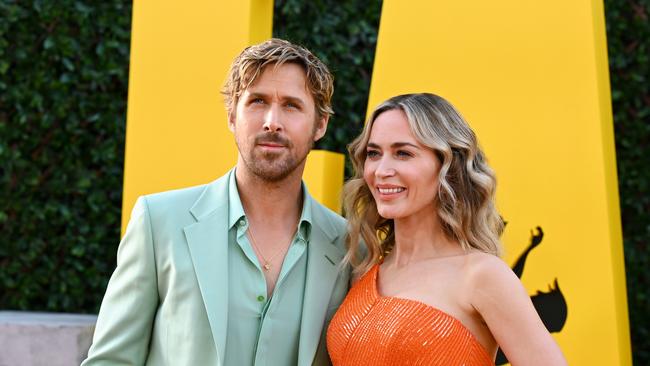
272	119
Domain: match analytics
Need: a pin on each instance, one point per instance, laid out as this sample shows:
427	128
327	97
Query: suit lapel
207	240
323	259
208	245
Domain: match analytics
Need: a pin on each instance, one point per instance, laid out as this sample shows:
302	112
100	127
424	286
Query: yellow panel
531	77
324	177
177	134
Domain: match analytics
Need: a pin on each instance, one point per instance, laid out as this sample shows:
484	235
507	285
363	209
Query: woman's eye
372	153
404	154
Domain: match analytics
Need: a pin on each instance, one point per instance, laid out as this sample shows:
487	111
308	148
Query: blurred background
64	69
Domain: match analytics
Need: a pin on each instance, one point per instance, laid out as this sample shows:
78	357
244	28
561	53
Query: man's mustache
272	138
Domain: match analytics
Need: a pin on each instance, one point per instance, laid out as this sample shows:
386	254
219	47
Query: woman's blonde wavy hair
466	186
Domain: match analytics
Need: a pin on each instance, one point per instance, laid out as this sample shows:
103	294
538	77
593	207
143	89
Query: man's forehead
287	78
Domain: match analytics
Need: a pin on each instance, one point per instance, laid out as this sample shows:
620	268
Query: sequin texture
369	329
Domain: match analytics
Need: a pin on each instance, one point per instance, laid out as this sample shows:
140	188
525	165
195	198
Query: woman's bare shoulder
487	271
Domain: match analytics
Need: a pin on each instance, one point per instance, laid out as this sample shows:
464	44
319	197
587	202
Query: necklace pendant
267	266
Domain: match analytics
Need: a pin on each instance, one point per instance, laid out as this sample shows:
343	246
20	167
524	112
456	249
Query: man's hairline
277	64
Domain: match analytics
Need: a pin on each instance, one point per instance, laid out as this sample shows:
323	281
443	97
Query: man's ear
231	121
321	128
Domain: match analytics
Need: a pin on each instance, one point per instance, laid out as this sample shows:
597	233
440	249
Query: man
244	270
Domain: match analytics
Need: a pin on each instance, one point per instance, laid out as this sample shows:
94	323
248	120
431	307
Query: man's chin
273	176
273	167
272	172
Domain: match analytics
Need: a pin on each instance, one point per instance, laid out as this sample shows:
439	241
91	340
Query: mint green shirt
261	331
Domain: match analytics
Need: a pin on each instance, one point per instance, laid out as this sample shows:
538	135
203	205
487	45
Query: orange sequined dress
369	329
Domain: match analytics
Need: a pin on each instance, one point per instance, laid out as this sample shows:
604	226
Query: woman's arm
500	298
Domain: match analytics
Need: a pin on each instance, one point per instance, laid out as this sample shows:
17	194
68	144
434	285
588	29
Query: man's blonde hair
250	63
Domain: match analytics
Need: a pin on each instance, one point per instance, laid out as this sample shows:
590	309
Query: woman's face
401	173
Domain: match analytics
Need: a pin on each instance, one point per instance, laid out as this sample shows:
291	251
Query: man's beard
271	166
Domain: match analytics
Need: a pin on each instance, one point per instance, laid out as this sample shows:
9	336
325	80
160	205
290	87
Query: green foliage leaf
343	34
62	125
628	38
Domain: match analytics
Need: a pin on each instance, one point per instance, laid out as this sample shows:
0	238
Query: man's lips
271	148
272	141
271	144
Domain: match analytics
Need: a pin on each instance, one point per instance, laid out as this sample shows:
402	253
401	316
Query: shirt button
260	298
242	222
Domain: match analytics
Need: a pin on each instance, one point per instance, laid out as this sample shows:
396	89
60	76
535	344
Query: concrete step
44	339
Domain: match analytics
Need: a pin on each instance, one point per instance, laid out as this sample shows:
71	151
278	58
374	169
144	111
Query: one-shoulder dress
370	329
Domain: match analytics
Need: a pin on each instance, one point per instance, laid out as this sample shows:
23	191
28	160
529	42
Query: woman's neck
420	237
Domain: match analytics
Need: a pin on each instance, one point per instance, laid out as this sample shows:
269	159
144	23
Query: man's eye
292	105
257	101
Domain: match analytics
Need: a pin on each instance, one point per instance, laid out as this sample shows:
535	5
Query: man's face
275	123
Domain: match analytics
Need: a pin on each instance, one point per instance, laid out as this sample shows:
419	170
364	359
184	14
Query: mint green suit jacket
167	301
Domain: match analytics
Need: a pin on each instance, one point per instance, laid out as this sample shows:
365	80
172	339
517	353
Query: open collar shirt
263	331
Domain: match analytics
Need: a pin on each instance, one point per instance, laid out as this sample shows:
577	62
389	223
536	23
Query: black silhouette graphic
551	306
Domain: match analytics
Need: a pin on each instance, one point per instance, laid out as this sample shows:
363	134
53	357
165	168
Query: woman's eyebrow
394	145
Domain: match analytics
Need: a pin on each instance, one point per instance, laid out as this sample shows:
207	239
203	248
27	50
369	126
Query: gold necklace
267	262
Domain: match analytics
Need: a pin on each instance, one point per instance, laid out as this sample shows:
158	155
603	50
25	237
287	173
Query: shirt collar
236	210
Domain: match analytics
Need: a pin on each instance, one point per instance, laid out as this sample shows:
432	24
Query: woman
430	289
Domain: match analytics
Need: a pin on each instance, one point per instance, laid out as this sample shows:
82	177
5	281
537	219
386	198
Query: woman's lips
389	191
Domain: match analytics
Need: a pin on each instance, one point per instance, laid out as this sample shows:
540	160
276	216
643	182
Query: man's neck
270	202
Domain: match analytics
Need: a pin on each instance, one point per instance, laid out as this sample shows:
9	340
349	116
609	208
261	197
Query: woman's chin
389	214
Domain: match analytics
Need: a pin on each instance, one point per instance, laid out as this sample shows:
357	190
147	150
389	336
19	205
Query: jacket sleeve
125	319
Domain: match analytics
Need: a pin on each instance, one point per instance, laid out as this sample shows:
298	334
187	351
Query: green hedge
64	72
628	38
63	85
343	34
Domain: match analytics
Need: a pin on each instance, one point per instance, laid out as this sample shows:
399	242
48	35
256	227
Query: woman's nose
385	168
